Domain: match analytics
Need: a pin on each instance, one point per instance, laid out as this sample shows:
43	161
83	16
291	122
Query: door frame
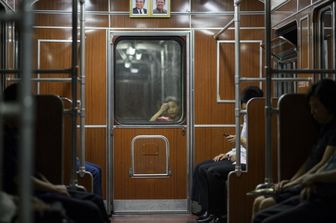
189	102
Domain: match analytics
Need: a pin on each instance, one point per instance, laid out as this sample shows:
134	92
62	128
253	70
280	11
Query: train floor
154	218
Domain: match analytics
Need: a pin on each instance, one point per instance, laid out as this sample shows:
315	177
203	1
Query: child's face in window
172	110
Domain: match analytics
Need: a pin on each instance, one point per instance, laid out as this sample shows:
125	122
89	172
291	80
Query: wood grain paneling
49	137
92	5
55	55
95	143
150	156
240	205
96	77
124	21
298	133
207	110
250	57
284	11
207	21
209	142
95	147
304	53
171	187
225	6
304	29
65	20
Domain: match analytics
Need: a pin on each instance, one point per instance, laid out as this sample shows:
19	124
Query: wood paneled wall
103	15
240	205
172	186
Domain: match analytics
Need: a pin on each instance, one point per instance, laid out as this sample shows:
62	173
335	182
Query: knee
256	204
213	172
267	202
203	170
257	201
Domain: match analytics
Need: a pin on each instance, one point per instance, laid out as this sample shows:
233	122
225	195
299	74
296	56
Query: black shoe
203	216
205	220
199	213
221	219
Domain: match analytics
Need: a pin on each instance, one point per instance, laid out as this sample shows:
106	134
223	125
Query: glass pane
148	74
327	40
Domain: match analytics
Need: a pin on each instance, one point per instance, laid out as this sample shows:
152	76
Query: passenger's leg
307	212
92	198
256	205
266	203
217	176
95	170
276	209
200	184
80	211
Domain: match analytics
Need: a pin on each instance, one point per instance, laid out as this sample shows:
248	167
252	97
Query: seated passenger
312	177
209	177
96	172
169	111
81	207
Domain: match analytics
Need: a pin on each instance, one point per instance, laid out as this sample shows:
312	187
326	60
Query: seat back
49	137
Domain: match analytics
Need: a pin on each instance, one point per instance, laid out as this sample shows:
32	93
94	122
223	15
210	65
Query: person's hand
232	157
306	192
279	186
61	189
164	107
231	138
219	157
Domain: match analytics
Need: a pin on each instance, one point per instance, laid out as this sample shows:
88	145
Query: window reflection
148	71
326	39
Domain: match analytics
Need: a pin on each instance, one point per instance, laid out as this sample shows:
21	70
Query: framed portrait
160	8
139	8
149	8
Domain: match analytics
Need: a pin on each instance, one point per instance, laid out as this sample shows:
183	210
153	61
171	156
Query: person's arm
46	186
326	155
162	109
320	177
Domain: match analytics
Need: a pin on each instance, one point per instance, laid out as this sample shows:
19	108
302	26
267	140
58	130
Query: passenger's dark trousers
203	185
294	210
200	184
81	207
217	191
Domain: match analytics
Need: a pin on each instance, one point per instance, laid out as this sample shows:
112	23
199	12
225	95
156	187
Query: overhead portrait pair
150	8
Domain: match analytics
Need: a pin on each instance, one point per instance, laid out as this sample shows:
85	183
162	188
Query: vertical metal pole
237	82
268	103
26	106
74	91
333	38
82	95
109	130
190	110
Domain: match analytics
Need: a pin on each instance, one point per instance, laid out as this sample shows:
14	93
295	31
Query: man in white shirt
209	177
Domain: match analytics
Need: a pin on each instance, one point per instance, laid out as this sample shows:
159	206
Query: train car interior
123	110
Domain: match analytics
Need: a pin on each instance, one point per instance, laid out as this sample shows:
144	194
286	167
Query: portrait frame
145	11
166	7
149	9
